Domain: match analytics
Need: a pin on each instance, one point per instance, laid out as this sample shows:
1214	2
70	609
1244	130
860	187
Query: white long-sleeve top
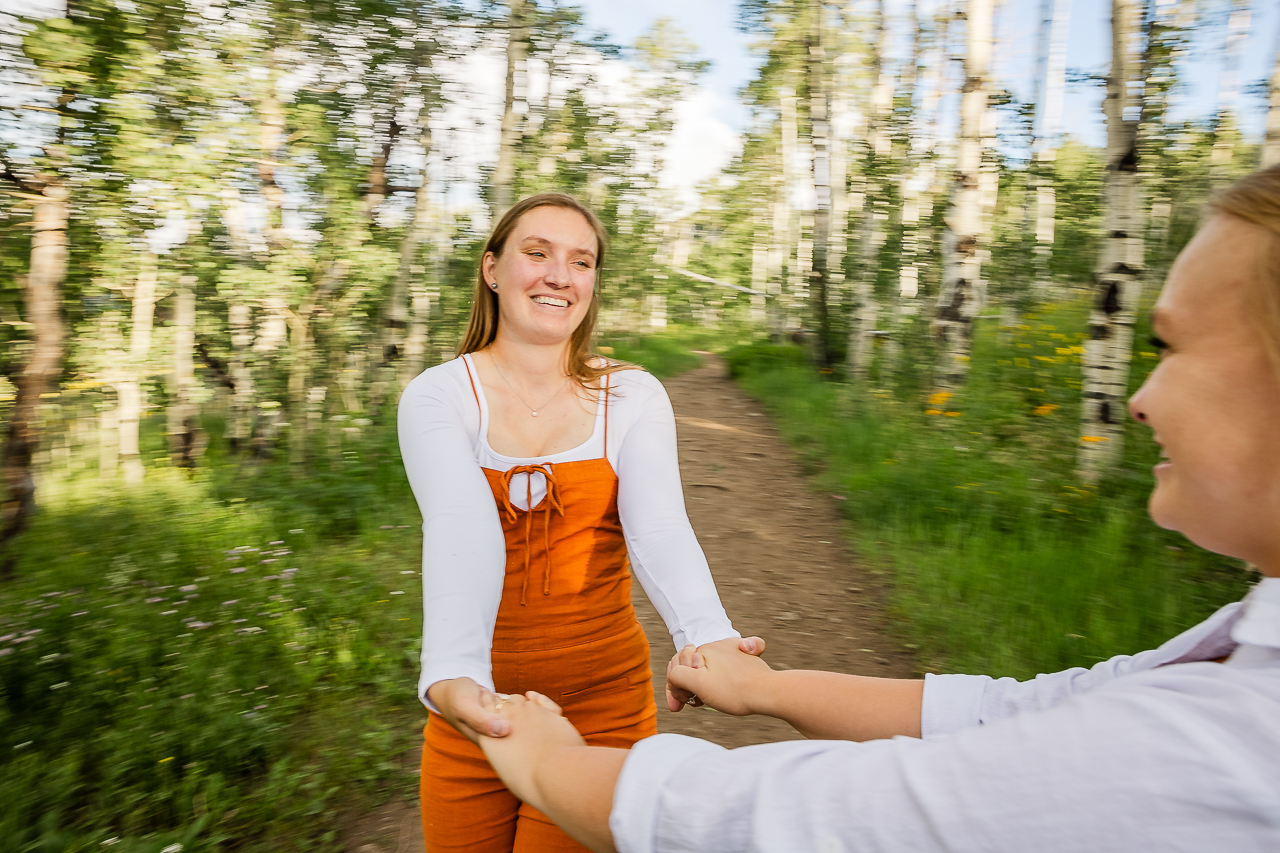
443	441
1164	750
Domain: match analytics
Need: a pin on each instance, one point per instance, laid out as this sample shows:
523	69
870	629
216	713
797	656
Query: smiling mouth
551	300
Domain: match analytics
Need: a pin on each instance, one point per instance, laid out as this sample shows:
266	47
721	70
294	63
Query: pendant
535	412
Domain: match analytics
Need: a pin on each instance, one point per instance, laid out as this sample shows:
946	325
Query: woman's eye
1158	342
537	255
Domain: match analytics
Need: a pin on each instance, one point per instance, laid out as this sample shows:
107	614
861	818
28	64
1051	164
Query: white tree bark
243	398
1119	284
1041	207
820	137
961	295
786	225
1226	129
514	104
184	430
129	384
866	310
51	211
1271	145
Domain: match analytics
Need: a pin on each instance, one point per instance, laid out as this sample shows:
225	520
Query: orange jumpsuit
566	629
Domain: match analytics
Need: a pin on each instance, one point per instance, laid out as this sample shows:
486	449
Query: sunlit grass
1001	561
219	661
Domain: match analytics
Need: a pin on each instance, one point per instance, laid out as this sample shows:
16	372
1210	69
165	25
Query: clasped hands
723	675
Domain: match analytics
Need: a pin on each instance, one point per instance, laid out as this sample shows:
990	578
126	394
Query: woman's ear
487	268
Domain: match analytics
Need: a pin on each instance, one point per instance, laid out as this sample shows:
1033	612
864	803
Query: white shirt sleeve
955	702
463	549
665	554
1182	757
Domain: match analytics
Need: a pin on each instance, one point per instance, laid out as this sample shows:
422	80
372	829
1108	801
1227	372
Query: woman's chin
1158	507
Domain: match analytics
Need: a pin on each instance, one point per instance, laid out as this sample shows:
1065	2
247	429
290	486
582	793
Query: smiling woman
545	474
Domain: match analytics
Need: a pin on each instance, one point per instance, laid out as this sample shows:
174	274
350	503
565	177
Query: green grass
1001	562
224	661
670	352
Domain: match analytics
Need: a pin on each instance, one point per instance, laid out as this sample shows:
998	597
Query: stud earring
494	285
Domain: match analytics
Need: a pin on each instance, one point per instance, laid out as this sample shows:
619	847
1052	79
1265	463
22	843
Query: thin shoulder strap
472	380
607	377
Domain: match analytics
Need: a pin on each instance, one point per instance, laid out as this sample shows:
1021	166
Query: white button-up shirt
1161	751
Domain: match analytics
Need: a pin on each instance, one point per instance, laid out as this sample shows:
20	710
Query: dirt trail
779	558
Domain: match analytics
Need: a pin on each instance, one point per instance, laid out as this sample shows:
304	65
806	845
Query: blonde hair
1255	198
584	366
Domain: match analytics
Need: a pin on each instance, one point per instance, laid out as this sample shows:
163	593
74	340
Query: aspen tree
184	427
49	199
841	115
1045	116
961	295
126	378
913	185
820	139
1271	144
786	224
877	148
514	104
1226	123
1108	349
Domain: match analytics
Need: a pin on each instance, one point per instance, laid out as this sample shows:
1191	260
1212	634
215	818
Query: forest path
779	555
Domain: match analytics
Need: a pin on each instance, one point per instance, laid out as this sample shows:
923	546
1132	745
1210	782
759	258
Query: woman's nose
557	275
1136	409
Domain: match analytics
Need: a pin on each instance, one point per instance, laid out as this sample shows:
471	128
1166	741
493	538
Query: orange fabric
578	643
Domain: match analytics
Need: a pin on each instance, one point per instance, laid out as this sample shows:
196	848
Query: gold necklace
532	409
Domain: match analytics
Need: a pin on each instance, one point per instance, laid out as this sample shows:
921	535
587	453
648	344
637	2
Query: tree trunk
1119	283
785	219
1271	145
878	146
1226	126
242	401
411	330
514	97
1045	199
961	295
129	385
184	427
820	137
44	313
299	398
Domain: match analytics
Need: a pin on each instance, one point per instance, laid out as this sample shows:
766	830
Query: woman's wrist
766	695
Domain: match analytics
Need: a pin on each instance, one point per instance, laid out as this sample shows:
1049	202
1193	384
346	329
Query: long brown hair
1255	198
584	366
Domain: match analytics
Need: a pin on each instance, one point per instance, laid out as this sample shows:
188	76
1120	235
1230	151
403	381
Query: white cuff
638	793
951	703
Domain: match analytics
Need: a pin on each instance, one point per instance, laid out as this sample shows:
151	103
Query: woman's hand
719	674
678	697
538	730
469	708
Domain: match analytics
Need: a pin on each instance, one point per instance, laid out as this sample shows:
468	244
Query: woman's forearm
842	707
573	786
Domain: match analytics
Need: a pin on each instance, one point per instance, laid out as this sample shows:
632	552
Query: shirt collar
1258	629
